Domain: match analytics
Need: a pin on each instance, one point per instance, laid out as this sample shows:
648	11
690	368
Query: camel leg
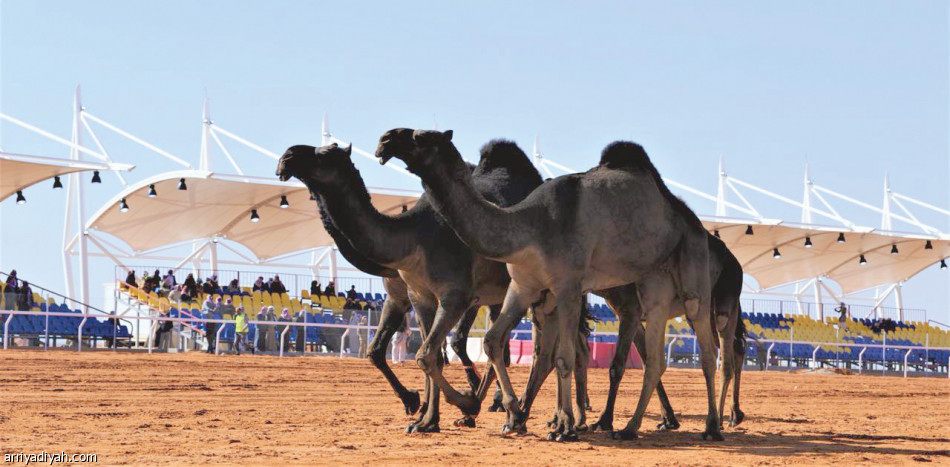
699	314
582	362
737	414
726	337
545	342
653	363
428	420
496	405
393	313
451	307
459	345
617	366
566	319
516	304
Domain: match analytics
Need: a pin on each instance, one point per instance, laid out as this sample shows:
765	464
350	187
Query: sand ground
196	408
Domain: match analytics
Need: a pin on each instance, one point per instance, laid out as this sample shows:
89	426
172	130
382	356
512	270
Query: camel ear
447	134
348	150
334	145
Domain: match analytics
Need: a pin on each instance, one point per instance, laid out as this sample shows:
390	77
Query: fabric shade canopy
18	171
215	205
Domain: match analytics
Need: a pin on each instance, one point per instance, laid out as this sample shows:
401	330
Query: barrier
521	354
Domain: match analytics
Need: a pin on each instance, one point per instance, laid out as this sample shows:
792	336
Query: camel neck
490	231
376	237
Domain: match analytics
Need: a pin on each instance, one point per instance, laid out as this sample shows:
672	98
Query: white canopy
217	205
18	171
827	257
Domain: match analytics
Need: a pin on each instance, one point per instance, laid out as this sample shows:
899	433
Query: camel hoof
508	429
581	428
625	435
422	428
737	417
712	435
470	404
562	437
465	422
496	406
603	425
668	425
411	401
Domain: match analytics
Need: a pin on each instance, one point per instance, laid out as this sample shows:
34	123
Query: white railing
155	320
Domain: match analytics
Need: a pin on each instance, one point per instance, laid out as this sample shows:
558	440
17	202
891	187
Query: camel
614	225
444	277
726	276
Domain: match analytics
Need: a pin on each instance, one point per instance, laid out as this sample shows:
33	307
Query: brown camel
445	278
614	225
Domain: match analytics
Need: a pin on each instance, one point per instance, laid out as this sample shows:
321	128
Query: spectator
351	336
330	290
130	279
10	291
351	305
240	331
278	286
271	335
351	294
400	340
164	327
227	308
262	330
259	284
363	334
282	332
233	287
211	329
169	281
301	337
314	288
842	311
191	287
175	294
25	297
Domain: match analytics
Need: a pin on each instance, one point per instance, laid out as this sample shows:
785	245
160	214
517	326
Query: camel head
419	149
322	165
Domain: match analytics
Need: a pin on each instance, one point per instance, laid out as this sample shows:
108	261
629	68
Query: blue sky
855	88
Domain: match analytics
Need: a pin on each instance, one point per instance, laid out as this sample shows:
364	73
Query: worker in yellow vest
240	330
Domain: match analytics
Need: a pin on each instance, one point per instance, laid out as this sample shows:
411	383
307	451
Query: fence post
151	334
217	338
282	335
884	354
768	355
860	359
6	330
669	351
905	361
82	323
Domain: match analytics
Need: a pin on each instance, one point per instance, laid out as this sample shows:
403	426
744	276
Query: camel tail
586	317
740	341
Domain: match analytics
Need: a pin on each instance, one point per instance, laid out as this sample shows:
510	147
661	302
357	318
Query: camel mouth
384	158
283	177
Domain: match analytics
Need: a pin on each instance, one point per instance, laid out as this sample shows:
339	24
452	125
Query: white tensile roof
18	171
220	205
827	257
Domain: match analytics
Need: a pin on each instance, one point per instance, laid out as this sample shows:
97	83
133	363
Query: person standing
363	334
25	297
401	340
271	335
10	291
211	329
240	331
283	331
301	339
842	311
261	329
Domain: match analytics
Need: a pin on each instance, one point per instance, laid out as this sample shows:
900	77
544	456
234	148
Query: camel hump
625	155
504	154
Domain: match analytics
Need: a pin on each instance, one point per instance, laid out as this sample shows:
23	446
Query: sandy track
188	408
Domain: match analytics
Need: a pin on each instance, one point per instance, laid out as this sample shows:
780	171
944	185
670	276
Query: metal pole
669	350
217	339
79	334
860	359
768	355
283	334
6	330
81	205
905	361
884	354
